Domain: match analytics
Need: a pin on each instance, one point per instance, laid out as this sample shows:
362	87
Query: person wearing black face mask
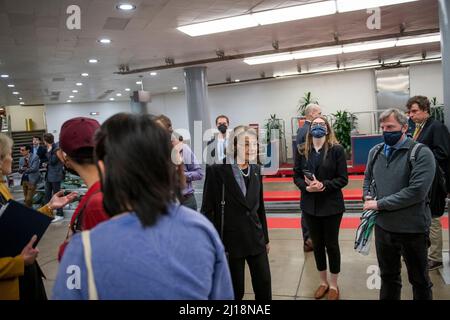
320	173
217	146
397	179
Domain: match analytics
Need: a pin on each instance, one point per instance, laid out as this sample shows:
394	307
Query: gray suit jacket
34	176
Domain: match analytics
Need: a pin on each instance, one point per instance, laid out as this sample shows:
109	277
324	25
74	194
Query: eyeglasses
319	124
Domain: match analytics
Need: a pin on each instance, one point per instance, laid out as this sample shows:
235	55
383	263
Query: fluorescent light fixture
71	97
353	5
93	60
153	73
138	82
85	74
94	113
320	52
79	84
127	89
237	80
15	92
22	103
4	76
119	94
174	88
370	45
277	57
125	7
75	91
295	13
111	99
407	41
20	99
69	101
220	25
11	86
104	41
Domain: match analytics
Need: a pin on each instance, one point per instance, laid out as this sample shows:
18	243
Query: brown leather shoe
333	294
308	246
321	291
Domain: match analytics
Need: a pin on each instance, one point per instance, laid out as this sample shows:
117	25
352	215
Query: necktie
389	151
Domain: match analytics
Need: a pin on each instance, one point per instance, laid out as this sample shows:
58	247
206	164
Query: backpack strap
413	152
379	148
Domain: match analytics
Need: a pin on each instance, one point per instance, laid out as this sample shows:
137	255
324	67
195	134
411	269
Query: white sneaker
57	218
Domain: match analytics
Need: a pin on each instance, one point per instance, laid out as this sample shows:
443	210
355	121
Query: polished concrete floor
294	275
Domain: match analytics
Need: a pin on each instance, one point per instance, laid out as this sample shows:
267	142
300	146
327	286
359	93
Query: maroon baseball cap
77	133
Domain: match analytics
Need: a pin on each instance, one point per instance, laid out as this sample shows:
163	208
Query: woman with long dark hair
152	247
233	201
320	173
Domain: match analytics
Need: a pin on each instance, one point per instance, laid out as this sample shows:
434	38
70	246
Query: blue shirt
180	257
392	149
192	169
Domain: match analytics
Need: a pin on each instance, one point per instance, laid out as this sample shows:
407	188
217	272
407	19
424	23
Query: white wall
19	114
57	114
427	80
253	102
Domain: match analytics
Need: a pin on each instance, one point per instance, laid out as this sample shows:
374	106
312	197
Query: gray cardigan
401	194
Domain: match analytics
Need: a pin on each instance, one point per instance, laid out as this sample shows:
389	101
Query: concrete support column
196	83
444	20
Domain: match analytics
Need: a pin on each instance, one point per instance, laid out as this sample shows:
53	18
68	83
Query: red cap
77	133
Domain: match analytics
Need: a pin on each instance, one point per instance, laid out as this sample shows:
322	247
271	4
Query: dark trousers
305	230
50	189
259	271
414	249
324	232
189	201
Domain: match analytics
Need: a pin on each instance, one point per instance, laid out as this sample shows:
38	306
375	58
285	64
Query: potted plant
344	123
304	101
275	124
437	110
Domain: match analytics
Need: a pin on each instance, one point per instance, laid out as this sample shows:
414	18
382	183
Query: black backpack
438	191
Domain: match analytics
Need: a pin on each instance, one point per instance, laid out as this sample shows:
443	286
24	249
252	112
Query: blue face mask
318	131
391	138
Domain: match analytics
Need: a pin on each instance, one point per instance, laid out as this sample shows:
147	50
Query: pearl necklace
245	174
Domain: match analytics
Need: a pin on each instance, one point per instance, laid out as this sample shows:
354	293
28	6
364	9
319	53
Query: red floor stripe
347	223
294	195
290	179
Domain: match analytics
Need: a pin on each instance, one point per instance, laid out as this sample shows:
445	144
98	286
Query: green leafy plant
273	124
344	123
304	101
437	110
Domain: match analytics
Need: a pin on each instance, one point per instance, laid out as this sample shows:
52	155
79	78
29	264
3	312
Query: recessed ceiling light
237	80
15	92
20	99
4	76
127	89
104	41
153	73
119	94
22	103
11	85
138	82
93	60
71	97
75	91
85	74
79	84
126	7
174	88
111	99
69	100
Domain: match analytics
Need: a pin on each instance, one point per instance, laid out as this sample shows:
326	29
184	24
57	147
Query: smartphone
308	174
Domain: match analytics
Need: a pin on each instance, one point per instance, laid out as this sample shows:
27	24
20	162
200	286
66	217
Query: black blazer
245	225
435	135
332	172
